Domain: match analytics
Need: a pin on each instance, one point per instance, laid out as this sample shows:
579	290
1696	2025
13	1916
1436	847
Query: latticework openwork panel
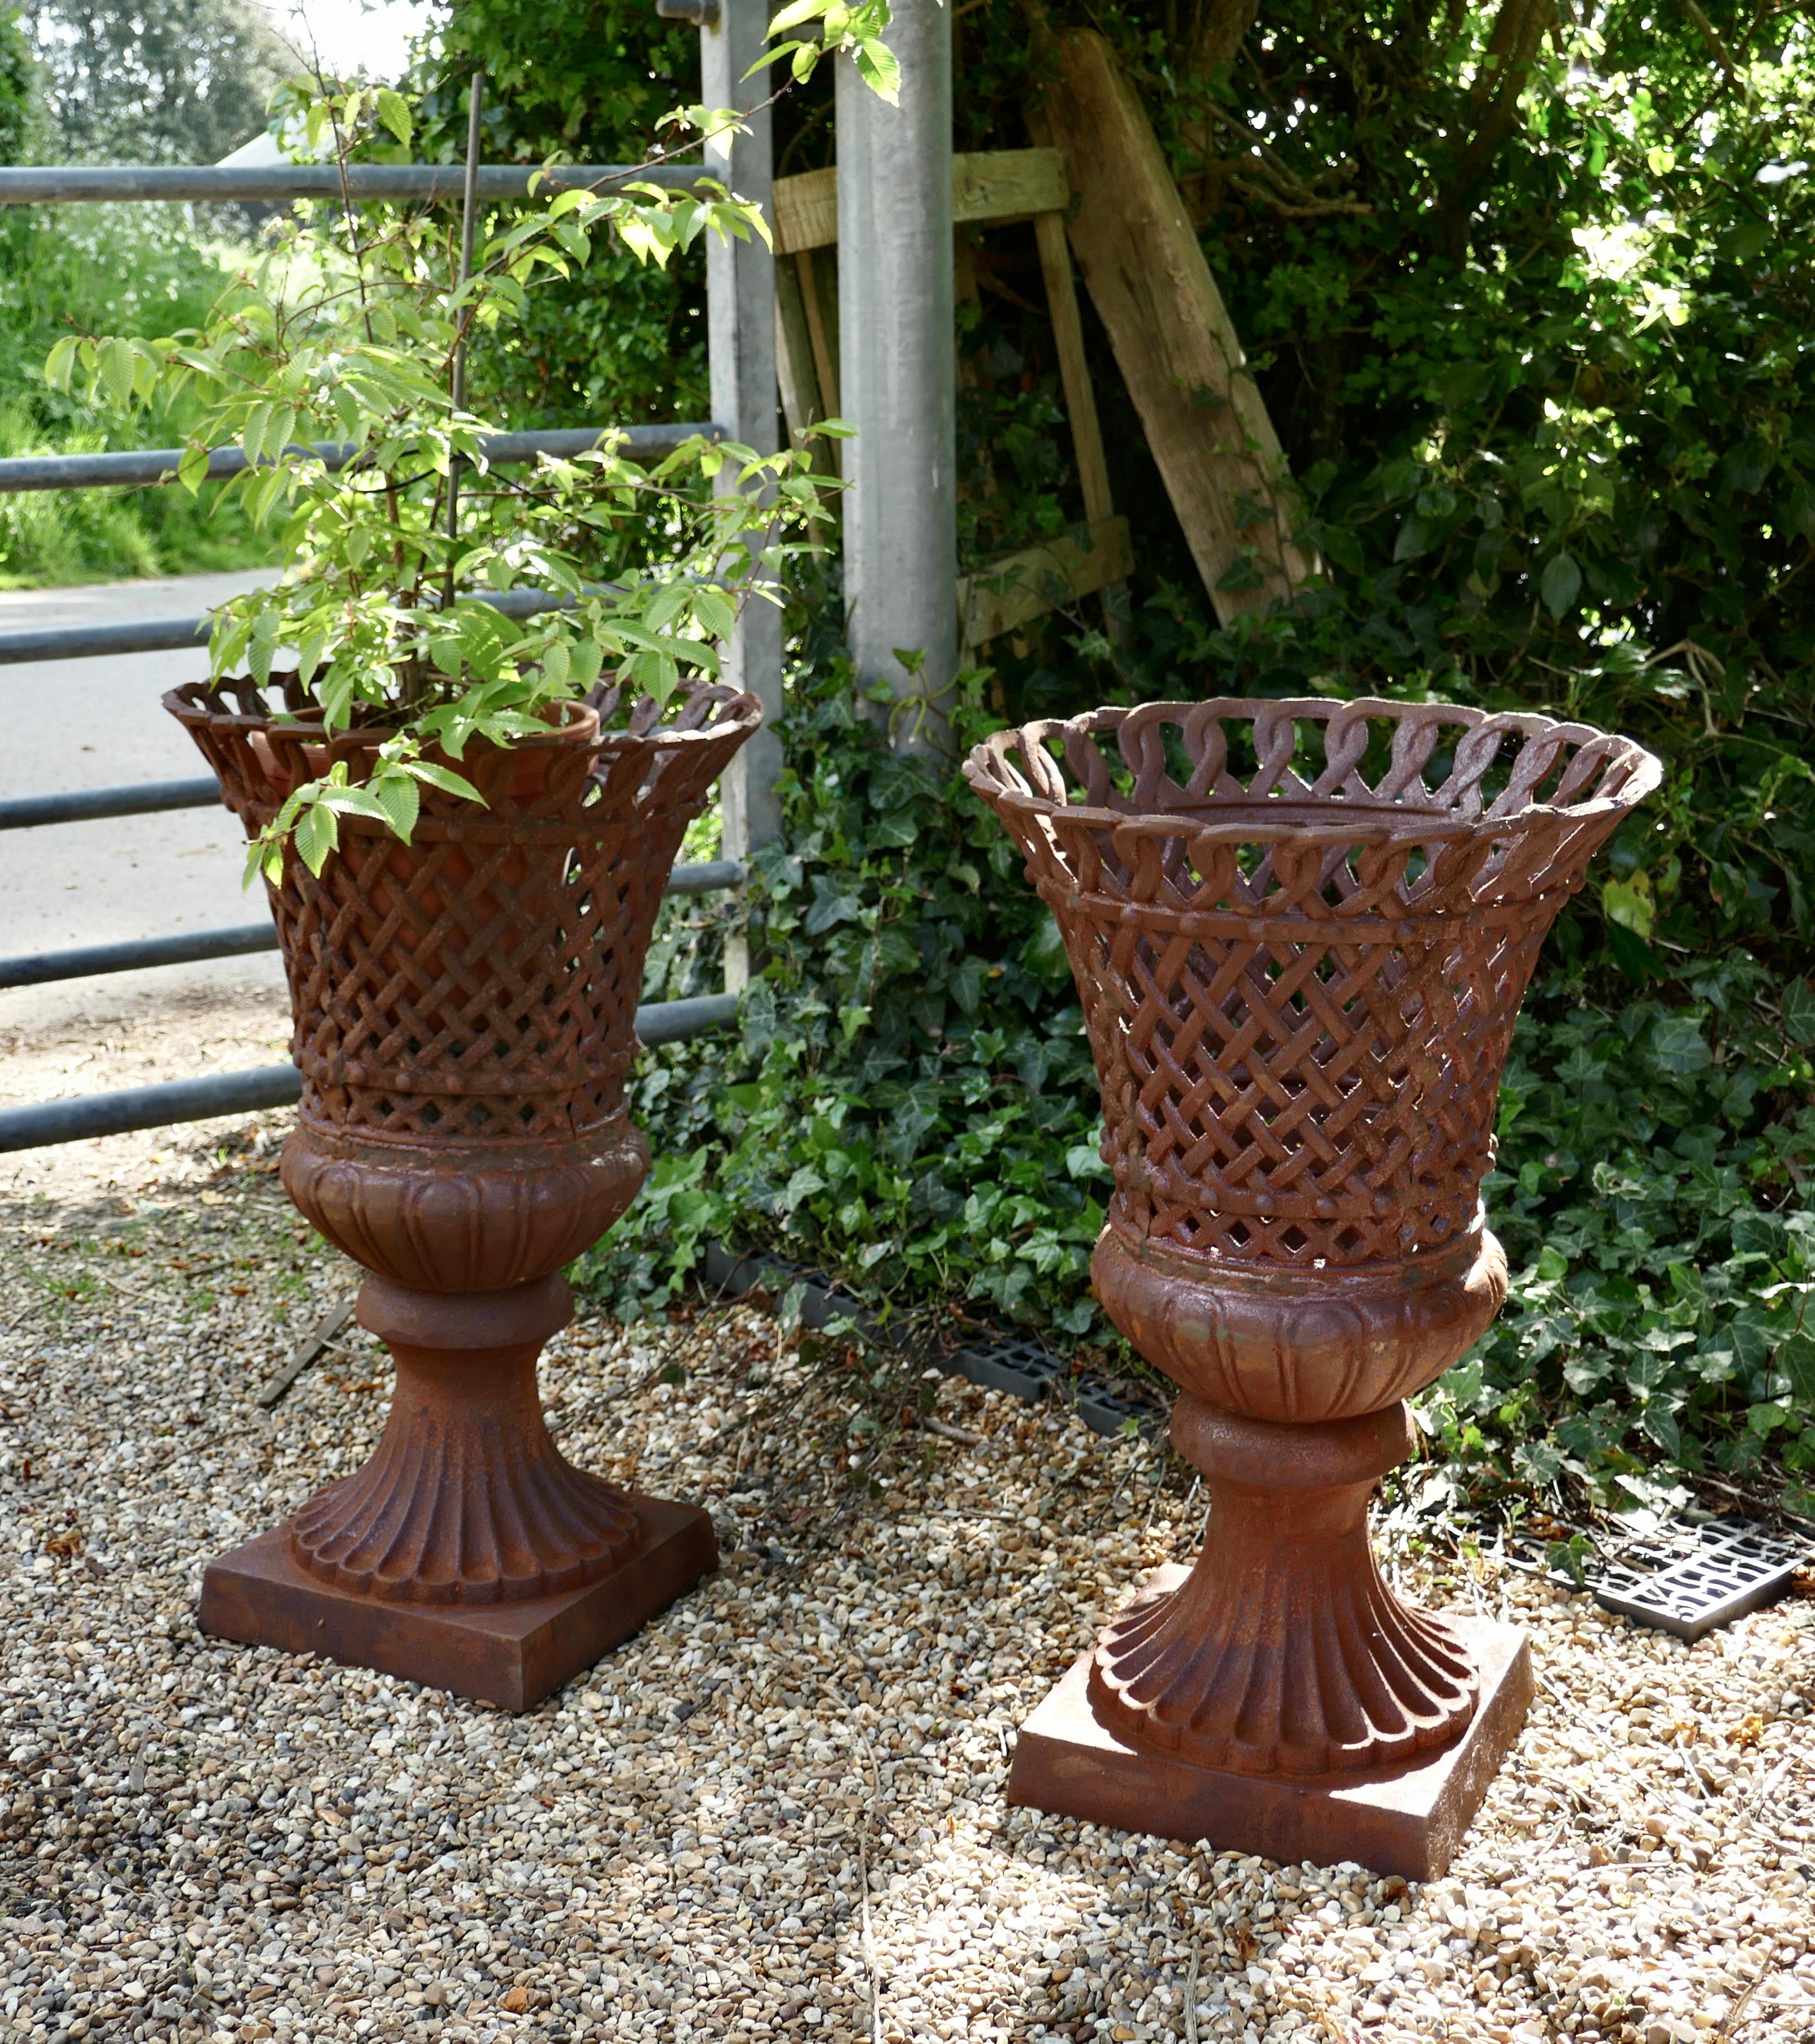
481	981
1301	983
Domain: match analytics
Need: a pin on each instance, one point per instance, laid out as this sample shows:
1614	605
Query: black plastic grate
1688	1580
1011	1362
999	1360
1106	1410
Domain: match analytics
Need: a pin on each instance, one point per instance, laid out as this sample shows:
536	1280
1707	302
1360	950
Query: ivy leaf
1628	903
1798	1000
1659	1422
1796	1358
1679	1045
966	984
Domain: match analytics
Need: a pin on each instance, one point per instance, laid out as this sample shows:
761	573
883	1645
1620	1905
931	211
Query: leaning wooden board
1174	343
991	189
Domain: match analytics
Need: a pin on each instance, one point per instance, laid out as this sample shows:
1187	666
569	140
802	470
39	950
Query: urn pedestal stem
467	1499
1284	1652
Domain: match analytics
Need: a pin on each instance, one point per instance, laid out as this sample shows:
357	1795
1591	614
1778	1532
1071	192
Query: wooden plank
1174	341
796	375
1073	372
794	371
806	212
1014	591
819	290
1008	184
995	185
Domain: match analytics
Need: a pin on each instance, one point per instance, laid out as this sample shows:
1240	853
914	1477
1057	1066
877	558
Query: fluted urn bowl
1300	932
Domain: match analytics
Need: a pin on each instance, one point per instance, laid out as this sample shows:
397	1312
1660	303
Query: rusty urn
464	1009
1301	932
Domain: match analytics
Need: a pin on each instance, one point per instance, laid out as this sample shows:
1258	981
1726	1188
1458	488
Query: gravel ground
778	1812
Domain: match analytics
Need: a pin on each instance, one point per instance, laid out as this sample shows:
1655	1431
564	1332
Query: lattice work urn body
1300	932
464	1008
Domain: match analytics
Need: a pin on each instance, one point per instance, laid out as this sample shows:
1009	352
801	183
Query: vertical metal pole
899	375
469	221
741	298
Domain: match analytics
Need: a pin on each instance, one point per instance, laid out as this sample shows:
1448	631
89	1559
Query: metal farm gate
740	297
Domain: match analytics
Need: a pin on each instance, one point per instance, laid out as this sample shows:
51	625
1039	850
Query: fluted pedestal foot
1407	1819
1284	1652
468	1553
1277	1697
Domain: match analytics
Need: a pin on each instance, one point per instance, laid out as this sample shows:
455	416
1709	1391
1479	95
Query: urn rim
1338	817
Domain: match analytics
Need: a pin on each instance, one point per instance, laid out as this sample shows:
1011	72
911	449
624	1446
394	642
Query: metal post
740	299
898	376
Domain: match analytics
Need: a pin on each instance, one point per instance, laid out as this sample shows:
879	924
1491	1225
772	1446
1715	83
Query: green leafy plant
845	29
335	364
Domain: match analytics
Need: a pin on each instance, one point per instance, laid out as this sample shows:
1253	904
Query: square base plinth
1408	1819
510	1654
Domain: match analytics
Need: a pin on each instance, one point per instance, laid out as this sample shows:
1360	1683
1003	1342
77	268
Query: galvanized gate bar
171	635
82	805
740	305
141	467
140	954
270	1085
61	183
148	1107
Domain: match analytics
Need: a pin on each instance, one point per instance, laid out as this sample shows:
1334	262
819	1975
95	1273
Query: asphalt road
82	724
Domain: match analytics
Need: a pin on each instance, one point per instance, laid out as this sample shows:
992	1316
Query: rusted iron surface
1300	932
464	1010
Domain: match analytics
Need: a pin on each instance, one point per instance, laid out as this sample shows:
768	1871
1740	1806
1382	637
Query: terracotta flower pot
1301	932
464	1008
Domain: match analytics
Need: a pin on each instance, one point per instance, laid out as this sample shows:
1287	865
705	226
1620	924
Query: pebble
778	1811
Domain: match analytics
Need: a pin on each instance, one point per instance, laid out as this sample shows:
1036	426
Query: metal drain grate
1688	1580
1017	1364
1000	1360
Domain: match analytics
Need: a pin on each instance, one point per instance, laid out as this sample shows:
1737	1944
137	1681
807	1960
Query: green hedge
912	1107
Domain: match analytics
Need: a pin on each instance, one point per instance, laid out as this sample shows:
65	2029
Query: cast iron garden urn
1300	932
464	1009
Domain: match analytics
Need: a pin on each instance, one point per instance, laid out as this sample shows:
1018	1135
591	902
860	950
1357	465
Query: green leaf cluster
1655	1192
912	1103
333	364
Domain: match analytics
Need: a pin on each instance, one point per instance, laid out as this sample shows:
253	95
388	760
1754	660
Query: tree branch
1217	34
1511	47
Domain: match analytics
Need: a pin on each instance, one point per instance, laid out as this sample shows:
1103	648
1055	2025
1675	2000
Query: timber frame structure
998	189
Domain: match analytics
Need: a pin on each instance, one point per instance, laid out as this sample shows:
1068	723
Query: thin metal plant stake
469	209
